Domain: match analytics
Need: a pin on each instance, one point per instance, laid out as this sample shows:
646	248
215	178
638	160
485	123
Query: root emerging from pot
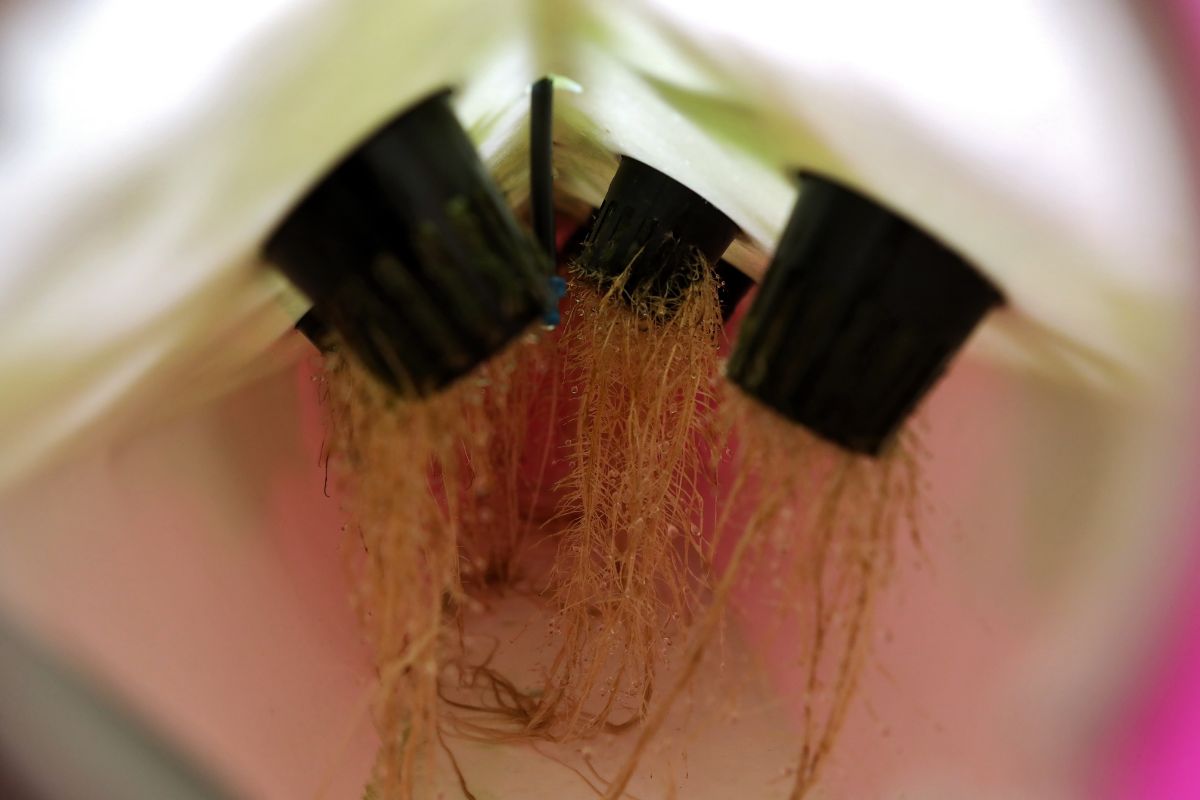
819	526
630	564
406	567
430	488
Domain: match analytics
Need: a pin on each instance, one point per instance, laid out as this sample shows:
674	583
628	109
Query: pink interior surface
1159	754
